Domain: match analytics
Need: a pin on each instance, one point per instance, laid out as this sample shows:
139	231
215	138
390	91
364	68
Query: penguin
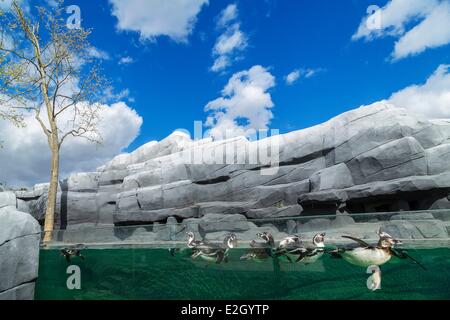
260	251
365	255
289	241
192	243
69	253
305	253
213	253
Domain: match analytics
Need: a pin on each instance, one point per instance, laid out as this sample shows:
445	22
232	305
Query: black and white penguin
305	253
289	241
69	253
192	243
260	251
214	253
365	255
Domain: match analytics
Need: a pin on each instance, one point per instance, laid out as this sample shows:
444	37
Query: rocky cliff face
376	158
19	250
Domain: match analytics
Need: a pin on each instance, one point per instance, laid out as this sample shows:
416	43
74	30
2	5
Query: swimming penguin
192	243
289	241
69	253
214	253
365	255
260	251
305	253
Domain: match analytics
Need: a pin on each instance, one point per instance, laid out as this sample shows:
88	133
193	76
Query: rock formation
375	158
19	250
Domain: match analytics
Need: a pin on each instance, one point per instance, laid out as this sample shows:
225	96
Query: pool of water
153	273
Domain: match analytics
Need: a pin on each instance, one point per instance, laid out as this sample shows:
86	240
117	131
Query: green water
155	274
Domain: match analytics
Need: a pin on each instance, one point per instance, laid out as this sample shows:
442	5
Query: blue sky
159	56
171	82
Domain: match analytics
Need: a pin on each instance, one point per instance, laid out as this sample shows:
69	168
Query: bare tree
48	69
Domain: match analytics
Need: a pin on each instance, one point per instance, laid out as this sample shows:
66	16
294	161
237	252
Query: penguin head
191	236
267	237
386	240
231	240
319	239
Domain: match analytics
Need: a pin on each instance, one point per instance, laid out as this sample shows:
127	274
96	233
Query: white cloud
227	15
309	73
231	41
25	156
98	54
431	99
428	22
6	5
52	3
126	60
245	104
295	75
292	77
221	63
153	18
111	95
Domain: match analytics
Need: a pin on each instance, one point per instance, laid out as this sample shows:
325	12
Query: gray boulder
19	249
8	199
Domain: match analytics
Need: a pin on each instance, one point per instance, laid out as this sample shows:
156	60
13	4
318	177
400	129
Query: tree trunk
52	191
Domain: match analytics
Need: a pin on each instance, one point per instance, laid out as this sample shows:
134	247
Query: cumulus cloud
231	41
25	156
417	24
153	18
245	104
431	99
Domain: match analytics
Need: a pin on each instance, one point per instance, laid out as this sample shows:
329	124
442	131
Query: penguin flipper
68	258
403	254
220	257
361	242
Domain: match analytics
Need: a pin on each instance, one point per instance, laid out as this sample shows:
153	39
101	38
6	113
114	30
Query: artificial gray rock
431	228
373	158
19	249
21	292
318	224
291	226
402	230
8	199
218	222
413	216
